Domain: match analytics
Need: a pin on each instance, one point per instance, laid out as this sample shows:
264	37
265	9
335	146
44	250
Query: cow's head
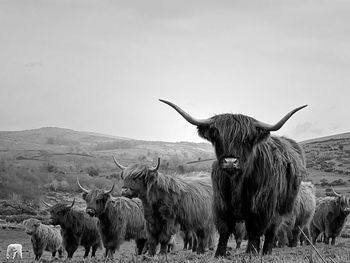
31	225
232	135
136	177
59	212
95	199
343	202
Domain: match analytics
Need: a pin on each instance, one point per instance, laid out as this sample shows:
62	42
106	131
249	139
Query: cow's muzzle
230	163
90	211
347	210
126	192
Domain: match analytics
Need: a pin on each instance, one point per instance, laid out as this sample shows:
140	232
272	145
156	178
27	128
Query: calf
43	238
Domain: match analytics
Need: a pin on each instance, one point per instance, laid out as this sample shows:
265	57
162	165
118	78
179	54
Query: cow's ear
151	176
261	135
209	133
105	197
84	195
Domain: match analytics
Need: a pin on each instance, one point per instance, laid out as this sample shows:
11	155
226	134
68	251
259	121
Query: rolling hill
45	163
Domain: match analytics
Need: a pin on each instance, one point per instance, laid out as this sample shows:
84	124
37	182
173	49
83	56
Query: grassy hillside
34	162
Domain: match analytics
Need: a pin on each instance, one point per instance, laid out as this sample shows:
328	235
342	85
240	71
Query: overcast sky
101	66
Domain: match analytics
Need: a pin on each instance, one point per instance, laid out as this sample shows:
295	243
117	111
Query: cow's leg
293	241
38	255
253	244
60	252
202	239
326	239
269	238
163	247
71	249
87	251
307	233
185	242
152	245
94	249
225	228
194	242
223	239
333	241
140	244
314	233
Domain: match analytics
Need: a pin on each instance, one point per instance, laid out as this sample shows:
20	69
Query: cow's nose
90	211
230	163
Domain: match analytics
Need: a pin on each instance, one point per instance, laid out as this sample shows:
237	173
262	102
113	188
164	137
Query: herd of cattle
257	189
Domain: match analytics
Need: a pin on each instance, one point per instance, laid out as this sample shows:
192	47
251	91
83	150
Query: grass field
339	253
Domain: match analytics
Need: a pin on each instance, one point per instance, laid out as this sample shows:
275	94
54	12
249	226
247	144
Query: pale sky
101	66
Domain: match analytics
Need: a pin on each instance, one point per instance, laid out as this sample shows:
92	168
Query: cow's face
58	214
344	203
96	201
135	178
31	225
233	137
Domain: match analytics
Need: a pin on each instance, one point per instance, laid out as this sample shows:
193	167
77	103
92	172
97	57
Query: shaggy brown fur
120	219
303	212
43	238
78	229
170	200
256	176
330	217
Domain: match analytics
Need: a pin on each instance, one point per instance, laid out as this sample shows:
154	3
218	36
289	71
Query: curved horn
153	169
279	124
188	117
335	193
47	204
82	188
121	167
72	203
110	191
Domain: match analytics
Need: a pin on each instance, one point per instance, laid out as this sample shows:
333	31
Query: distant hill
341	136
75	151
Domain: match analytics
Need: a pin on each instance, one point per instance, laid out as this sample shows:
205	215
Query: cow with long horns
256	176
169	201
120	219
77	228
330	217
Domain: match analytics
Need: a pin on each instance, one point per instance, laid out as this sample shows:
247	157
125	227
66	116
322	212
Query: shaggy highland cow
78	228
255	178
168	201
303	212
330	217
43	238
120	219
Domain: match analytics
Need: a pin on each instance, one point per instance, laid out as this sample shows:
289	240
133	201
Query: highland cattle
78	228
119	218
330	217
169	200
255	178
43	238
